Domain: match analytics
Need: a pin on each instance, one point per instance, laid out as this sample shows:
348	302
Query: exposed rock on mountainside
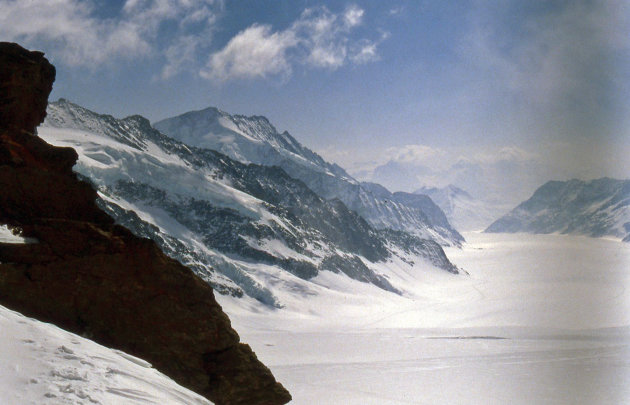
240	227
92	277
423	204
256	140
594	208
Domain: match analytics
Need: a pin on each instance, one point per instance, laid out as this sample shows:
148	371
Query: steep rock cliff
92	277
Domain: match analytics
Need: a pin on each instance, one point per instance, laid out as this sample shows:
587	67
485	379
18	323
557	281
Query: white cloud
324	37
365	52
73	32
396	10
254	52
318	39
179	32
417	154
353	16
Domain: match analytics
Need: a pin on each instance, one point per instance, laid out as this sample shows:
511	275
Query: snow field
542	319
42	364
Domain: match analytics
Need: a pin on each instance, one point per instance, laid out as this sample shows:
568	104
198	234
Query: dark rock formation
95	278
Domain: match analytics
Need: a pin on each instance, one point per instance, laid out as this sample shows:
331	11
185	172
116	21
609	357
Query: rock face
95	278
594	208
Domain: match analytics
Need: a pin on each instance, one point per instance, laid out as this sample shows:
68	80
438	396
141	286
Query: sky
408	93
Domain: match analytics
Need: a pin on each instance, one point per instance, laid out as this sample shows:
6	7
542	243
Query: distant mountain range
595	208
464	211
244	228
255	140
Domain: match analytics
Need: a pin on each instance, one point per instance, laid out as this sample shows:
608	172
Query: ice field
542	319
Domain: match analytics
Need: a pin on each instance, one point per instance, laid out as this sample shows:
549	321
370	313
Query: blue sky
544	83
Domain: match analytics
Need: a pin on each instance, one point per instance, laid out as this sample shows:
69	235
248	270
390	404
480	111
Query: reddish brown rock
95	278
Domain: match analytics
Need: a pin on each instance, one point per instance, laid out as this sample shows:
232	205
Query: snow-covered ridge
42	364
594	208
256	140
246	229
247	139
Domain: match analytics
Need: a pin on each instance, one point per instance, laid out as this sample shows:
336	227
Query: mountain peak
255	140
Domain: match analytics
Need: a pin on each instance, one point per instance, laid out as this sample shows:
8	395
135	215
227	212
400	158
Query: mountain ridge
218	215
242	139
596	208
463	210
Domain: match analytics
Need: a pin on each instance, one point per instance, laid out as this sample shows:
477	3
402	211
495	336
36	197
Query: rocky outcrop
95	278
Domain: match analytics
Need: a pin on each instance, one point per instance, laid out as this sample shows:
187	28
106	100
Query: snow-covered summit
247	139
255	140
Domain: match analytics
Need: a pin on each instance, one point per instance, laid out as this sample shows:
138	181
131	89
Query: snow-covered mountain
42	364
595	208
464	211
256	140
422	203
244	228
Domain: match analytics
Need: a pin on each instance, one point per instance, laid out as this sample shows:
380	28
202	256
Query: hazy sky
424	84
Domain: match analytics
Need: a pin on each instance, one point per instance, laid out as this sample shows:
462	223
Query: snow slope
42	364
8	236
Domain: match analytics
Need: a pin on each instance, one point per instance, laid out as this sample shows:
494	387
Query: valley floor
542	319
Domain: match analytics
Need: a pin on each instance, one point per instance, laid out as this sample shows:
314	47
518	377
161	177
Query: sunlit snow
542	319
42	364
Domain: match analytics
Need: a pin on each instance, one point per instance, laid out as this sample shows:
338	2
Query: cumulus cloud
179	34
75	32
353	16
254	52
317	39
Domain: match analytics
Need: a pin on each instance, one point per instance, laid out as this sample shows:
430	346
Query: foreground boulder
83	273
